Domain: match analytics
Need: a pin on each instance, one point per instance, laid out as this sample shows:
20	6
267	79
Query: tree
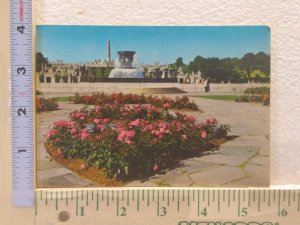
179	62
40	59
248	62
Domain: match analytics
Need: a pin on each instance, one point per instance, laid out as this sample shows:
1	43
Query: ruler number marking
123	211
21	69
284	212
21	29
163	211
204	212
21	111
244	212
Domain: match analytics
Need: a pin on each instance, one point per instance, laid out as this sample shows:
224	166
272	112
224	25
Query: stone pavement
242	162
49	173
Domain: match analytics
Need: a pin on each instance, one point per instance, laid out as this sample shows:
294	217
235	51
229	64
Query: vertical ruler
168	206
22	102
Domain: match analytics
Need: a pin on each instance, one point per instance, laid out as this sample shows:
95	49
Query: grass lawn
63	98
219	97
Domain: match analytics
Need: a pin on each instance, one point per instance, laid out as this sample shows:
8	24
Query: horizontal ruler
168	206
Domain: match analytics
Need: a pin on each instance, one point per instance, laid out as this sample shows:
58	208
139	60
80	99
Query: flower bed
129	141
44	104
259	94
121	98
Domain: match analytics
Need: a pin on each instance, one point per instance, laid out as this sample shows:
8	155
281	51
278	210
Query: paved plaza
241	162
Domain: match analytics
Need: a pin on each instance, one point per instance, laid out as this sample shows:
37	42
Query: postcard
152	106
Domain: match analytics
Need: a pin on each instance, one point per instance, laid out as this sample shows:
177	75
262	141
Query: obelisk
108	52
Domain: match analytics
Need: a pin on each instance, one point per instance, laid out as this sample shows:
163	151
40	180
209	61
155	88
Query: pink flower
98	108
106	120
51	133
122	136
76	114
96	120
148	127
130	133
136	122
200	125
73	130
158	133
81	118
191	119
126	135
61	123
155	167
84	134
167	105
214	120
100	127
184	137
203	134
71	123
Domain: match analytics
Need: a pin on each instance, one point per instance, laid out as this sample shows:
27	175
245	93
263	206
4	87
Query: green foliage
258	74
41	77
57	78
129	141
99	72
258	90
258	94
102	98
228	69
39	60
44	104
63	98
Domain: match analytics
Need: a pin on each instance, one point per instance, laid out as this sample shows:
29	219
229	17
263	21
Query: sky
152	44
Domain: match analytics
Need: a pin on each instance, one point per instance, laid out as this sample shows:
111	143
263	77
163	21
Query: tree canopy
229	69
39	60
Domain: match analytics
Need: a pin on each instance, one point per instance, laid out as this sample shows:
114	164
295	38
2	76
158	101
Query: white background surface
282	16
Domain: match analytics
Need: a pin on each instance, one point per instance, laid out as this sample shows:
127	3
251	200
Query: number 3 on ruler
21	69
21	29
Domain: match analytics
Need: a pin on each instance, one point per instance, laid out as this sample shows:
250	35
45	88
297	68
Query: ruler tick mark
218	200
97	200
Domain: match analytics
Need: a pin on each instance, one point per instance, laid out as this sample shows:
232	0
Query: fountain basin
126	73
127	66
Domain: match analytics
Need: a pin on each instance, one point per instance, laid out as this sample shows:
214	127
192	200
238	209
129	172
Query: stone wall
137	87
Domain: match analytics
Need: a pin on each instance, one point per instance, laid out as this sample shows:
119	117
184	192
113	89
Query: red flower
167	105
51	133
61	123
203	134
136	122
155	167
84	134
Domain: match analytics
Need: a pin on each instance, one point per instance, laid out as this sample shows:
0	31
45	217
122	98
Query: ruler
22	102
168	206
121	206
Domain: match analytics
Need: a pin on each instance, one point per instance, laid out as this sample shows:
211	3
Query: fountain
127	66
